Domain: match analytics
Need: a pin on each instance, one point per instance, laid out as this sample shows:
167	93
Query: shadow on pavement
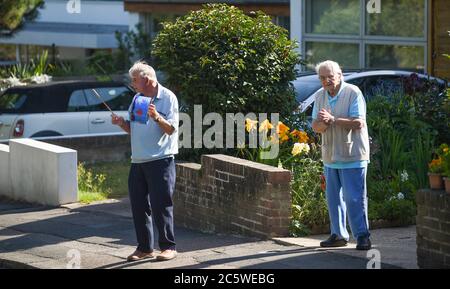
96	224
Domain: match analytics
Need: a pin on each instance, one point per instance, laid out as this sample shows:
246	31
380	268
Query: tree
228	61
14	12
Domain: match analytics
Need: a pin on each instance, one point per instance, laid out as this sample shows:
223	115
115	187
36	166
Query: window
343	31
153	22
333	16
12	101
117	98
77	102
21	101
395	56
398	18
282	21
346	54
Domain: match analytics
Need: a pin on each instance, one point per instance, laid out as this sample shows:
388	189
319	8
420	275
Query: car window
304	89
77	101
359	82
383	85
117	98
20	101
12	101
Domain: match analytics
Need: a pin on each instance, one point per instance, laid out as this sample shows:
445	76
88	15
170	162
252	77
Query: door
117	98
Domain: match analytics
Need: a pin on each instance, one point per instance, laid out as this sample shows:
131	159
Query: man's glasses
323	78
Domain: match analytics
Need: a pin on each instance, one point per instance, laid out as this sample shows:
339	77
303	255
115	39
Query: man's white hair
330	65
143	69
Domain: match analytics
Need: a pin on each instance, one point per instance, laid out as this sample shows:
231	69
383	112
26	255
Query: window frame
363	39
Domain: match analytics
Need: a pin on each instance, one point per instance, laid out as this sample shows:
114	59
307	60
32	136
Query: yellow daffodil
265	126
250	124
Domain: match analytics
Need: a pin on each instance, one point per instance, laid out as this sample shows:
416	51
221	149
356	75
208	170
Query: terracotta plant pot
447	185
436	181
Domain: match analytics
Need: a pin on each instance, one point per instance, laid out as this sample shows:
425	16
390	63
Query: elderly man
339	114
154	142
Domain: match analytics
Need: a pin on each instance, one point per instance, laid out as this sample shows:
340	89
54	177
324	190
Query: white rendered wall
43	173
91	12
5	177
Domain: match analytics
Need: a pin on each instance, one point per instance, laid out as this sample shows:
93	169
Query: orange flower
283	131
301	136
283	138
435	165
282	128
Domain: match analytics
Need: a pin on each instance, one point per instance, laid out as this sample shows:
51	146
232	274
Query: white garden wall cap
42	145
193	166
4	148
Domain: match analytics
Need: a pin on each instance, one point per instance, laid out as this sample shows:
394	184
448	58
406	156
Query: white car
64	108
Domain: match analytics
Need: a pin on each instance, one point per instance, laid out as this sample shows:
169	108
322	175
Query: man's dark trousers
151	186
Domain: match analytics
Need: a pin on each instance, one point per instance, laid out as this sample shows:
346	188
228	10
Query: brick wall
234	196
433	229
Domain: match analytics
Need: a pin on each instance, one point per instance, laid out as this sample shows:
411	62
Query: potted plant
435	171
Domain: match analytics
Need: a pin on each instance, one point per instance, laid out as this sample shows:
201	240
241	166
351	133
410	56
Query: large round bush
228	61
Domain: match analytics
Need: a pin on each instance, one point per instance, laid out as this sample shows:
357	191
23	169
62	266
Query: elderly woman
339	114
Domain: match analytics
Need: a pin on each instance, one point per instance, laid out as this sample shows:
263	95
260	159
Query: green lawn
114	184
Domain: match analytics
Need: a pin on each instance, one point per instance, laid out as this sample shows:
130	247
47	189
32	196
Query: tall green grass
97	182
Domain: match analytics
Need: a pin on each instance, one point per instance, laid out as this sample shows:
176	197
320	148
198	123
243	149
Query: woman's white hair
143	69
330	65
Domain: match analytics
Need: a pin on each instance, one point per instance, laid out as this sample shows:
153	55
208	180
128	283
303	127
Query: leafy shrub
228	61
309	206
402	138
429	103
444	155
101	62
399	210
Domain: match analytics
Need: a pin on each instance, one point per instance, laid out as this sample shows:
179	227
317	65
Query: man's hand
117	120
325	116
120	121
152	112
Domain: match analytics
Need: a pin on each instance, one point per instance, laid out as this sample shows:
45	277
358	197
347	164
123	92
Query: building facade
376	34
153	12
69	30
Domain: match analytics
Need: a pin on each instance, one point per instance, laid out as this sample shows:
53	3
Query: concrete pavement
101	235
